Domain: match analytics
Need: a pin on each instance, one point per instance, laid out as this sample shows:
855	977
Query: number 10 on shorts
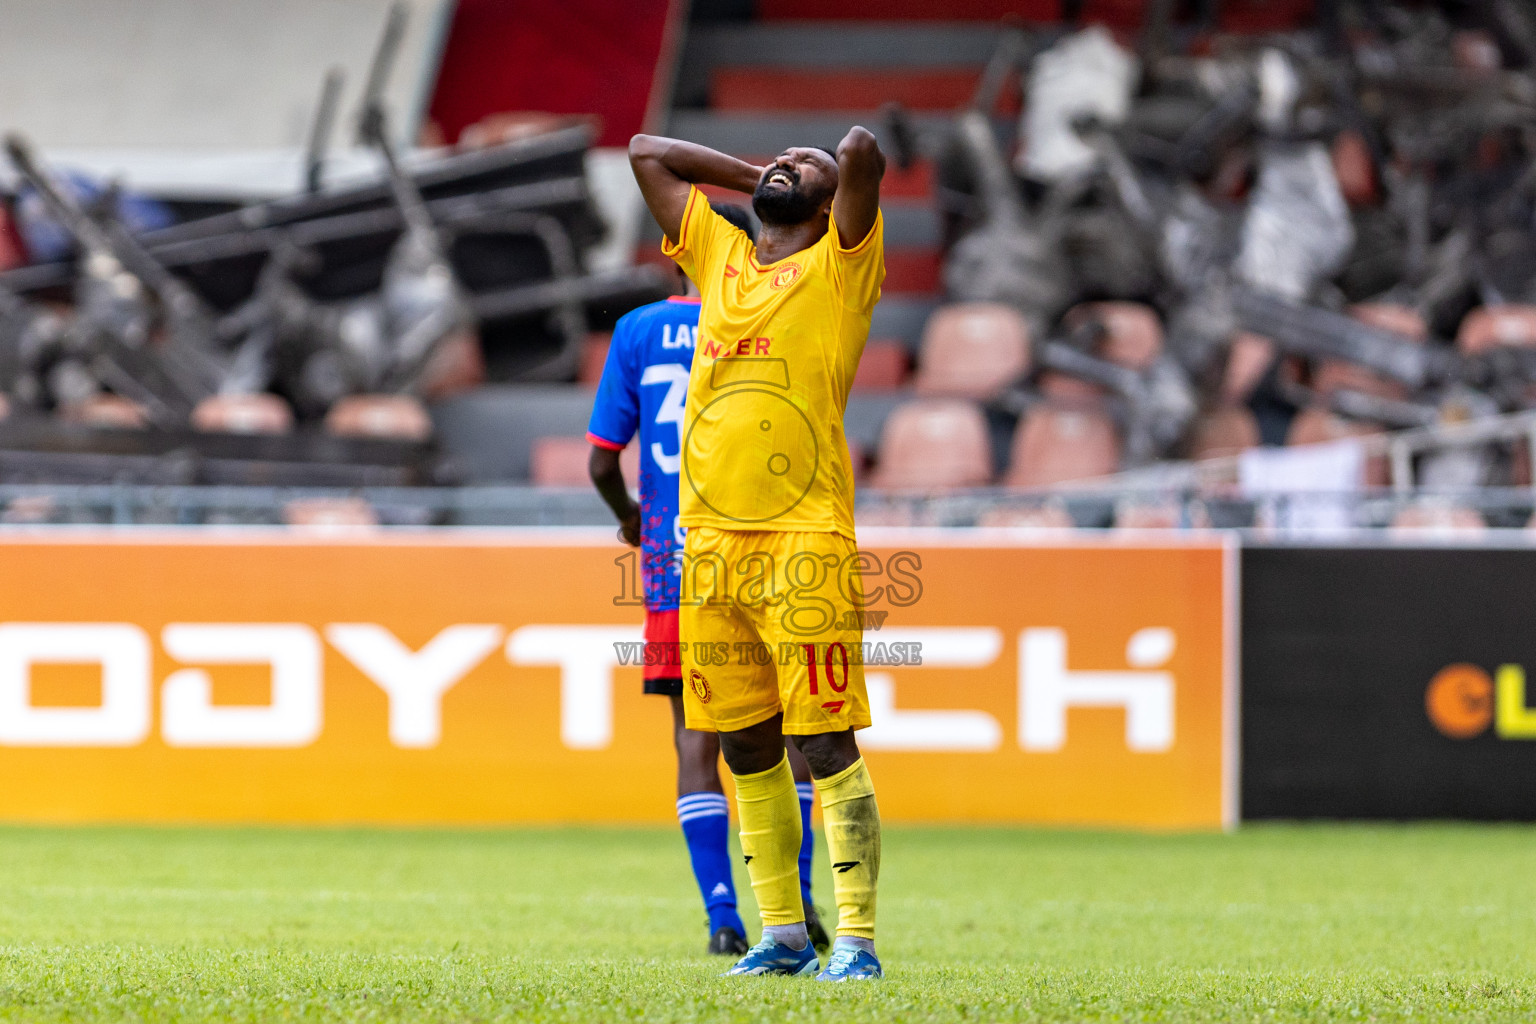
830	664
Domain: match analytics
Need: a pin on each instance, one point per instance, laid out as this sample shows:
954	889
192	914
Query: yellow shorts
772	621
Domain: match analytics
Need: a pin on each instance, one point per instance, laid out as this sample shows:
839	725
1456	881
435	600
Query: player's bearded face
785	196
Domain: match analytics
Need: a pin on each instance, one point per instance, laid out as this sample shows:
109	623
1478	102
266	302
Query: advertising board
493	677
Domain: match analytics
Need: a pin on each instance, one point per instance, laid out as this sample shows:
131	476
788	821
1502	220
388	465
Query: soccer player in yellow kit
770	614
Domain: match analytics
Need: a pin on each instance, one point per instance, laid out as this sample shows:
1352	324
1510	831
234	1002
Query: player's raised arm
666	167
860	166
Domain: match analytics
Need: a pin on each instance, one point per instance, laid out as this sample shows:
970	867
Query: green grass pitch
1270	924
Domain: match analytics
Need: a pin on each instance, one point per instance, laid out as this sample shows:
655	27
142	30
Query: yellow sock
770	841
851	823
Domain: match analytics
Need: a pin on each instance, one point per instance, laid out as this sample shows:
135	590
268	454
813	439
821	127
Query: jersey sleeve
700	238
616	409
861	267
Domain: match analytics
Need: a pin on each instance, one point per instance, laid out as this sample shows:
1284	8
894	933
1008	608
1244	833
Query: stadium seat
934	445
1069	390
1319	426
513	126
395	417
594	355
883	515
1353	166
327	514
111	412
883	367
1336	374
457	365
1148	515
1249	357
758	88
858	458
972	350
30	508
1489	327
562	462
1049	516
1224	432
1390	316
1054	444
1133	335
1477	51
1437	518
243	414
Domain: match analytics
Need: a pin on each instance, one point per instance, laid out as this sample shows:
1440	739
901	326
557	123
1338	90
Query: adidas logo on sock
720	890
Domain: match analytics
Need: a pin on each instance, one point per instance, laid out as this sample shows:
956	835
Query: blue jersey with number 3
645	381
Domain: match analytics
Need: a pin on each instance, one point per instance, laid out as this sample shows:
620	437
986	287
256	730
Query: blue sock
705	818
807	792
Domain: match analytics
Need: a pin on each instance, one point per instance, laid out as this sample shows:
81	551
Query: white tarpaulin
1312	487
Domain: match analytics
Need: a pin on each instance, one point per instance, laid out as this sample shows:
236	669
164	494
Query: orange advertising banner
492	677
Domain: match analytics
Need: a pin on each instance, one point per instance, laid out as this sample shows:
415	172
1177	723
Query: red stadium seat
395	417
1049	516
1356	171
1133	333
1389	316
456	365
1249	357
1224	432
1069	390
883	368
112	412
1054	444
1439	519
884	515
562	462
1335	374
594	355
1489	327
30	508
1477	51
972	350
1148	515
327	514
243	414
858	458
934	445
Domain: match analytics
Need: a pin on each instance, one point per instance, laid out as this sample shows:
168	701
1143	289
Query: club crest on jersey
699	684
787	275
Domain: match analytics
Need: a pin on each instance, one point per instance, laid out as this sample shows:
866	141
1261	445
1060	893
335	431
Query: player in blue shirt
642	390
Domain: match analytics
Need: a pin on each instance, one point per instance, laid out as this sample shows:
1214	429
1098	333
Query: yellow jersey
773	359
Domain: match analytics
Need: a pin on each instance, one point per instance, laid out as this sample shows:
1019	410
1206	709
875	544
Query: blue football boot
848	963
773	957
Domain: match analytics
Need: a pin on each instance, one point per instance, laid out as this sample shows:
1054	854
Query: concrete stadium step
920	10
745	89
1233	15
824	47
820	45
772	133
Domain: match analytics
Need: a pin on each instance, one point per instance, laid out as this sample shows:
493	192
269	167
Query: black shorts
666	687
